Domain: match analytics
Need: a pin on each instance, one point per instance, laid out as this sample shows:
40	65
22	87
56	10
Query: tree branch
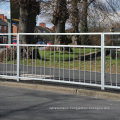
90	2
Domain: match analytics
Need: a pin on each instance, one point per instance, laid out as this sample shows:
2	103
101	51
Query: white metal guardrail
79	64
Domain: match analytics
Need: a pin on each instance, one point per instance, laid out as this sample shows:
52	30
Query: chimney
5	17
2	16
43	25
53	28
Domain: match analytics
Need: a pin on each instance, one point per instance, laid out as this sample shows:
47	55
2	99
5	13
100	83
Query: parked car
49	44
41	42
14	42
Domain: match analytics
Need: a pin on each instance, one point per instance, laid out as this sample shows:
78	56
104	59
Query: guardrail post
102	61
18	57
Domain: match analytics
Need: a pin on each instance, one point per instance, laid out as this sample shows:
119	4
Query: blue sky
5	8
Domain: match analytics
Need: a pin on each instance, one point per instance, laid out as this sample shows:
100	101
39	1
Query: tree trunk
27	20
75	21
84	25
59	19
34	7
60	28
23	19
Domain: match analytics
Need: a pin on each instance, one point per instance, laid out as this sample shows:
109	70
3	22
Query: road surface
59	74
25	104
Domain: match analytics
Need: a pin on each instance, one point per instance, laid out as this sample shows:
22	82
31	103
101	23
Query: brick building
42	28
3	29
4	23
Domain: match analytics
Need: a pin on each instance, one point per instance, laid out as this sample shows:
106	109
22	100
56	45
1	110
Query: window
5	39
0	39
5	28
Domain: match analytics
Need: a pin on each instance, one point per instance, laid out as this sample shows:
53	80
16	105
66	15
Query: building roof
44	30
3	23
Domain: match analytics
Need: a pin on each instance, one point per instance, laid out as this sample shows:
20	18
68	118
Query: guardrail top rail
69	66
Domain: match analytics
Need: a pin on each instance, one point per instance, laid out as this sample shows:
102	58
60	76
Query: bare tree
75	20
84	21
59	19
26	10
29	9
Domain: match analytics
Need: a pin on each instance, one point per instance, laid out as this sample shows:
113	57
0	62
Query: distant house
43	29
4	23
3	29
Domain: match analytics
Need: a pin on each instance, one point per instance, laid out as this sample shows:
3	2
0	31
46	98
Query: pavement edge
64	90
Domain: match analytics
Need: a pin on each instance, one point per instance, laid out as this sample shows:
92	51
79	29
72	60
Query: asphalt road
59	74
25	104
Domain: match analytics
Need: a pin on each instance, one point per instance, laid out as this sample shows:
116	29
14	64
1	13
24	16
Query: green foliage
66	55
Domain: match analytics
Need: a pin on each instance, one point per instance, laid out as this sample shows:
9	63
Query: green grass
66	55
76	64
62	61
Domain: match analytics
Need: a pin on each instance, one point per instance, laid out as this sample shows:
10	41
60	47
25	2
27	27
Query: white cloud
5	12
5	8
45	19
102	1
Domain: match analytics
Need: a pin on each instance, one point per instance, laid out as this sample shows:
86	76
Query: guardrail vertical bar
18	57
102	61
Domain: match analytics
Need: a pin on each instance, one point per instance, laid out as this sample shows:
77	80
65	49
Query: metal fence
89	65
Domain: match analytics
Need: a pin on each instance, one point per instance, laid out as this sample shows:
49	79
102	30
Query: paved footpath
26	104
